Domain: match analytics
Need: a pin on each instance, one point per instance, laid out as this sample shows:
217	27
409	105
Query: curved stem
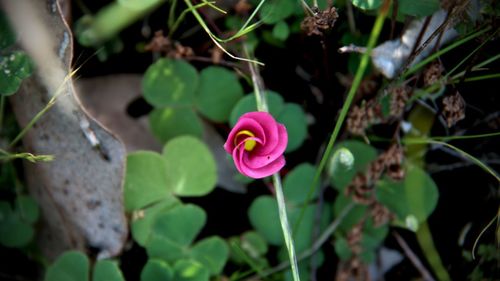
377	28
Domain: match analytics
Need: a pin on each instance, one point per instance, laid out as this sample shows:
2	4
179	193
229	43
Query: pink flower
257	143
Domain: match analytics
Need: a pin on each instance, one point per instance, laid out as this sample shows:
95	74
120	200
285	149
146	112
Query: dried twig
413	258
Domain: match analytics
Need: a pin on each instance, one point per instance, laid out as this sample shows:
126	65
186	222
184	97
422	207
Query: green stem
109	21
424	238
285	226
183	15
460	151
377	28
280	198
443	51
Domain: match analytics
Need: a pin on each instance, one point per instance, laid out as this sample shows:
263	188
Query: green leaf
170	82
367	4
168	123
174	231
273	11
419	8
253	243
191	166
342	249
107	270
218	93
145	180
416	195
13	231
157	270
70	266
27	208
211	252
14	67
353	217
363	155
190	270
281	31
297	183
249	104
263	215
142	220
294	119
8	37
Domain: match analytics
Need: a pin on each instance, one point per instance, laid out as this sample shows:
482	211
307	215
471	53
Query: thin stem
315	247
285	226
461	152
413	258
377	28
183	15
443	51
280	198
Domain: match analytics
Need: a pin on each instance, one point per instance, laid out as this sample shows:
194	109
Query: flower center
249	143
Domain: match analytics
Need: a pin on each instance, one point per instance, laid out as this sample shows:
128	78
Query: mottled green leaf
170	82
212	253
168	123
157	270
14	67
191	167
190	270
218	92
367	4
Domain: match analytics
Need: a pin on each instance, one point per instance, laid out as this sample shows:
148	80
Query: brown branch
413	258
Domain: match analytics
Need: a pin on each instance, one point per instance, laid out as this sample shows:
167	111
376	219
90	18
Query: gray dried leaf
390	56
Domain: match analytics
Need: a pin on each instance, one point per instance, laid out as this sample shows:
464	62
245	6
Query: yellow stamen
249	144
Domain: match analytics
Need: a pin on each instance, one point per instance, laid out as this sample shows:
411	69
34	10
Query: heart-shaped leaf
416	195
70	266
106	270
294	119
249	104
190	166
297	184
211	252
142	220
218	92
157	270
190	270
168	123
170	82
174	231
145	180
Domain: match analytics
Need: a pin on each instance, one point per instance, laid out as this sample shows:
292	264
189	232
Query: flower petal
270	128
244	124
254	161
